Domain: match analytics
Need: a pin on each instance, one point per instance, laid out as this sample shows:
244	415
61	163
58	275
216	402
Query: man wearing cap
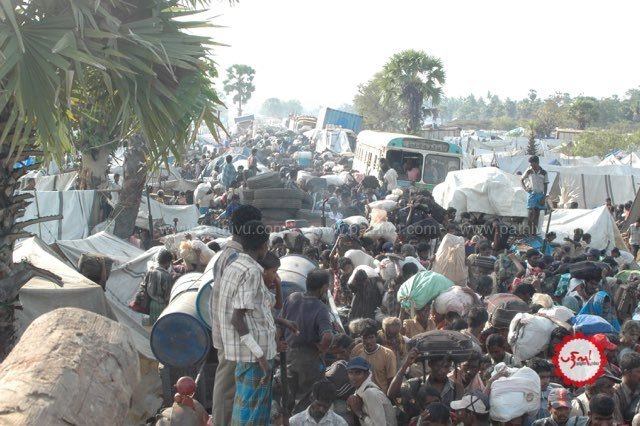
369	403
535	181
560	408
472	409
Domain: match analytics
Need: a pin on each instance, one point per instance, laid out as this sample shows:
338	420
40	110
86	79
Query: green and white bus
433	159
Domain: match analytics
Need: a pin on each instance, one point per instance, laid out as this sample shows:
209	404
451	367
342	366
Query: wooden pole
70	367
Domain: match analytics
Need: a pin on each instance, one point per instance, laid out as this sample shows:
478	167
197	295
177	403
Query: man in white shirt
369	403
622	257
390	178
535	181
320	412
634	237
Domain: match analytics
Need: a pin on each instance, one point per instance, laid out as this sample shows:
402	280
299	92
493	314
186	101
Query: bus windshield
437	166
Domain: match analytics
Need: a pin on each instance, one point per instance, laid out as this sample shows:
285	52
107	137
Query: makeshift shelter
77	208
338	141
40	296
187	215
103	243
592	185
484	190
57	182
598	222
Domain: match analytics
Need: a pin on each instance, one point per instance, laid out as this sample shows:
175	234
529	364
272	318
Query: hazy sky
319	51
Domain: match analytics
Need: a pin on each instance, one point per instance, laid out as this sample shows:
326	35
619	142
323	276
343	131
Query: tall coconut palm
410	80
54	53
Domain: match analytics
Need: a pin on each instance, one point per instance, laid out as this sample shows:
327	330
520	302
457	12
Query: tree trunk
10	209
93	171
135	176
71	366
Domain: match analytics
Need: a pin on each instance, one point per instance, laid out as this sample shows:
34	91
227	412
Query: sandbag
529	335
512	397
503	307
195	252
456	299
591	324
384	230
358	257
422	288
449	343
450	259
386	205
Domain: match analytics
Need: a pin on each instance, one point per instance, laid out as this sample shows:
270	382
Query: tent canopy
101	243
598	222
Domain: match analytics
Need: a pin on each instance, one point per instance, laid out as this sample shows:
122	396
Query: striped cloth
252	402
155	309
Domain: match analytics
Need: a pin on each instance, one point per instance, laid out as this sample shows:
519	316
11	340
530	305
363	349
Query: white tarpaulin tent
101	243
187	215
58	182
598	222
123	282
40	296
484	190
75	207
592	185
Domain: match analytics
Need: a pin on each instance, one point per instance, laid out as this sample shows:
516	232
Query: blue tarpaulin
28	162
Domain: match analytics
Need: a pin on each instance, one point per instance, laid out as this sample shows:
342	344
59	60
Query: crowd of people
344	350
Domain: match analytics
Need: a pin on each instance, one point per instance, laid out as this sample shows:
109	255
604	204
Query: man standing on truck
535	181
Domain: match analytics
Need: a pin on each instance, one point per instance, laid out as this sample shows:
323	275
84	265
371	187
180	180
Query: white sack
384	230
358	257
386	205
513	396
456	299
529	335
450	259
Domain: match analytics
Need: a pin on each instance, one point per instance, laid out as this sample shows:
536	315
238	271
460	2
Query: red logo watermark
579	360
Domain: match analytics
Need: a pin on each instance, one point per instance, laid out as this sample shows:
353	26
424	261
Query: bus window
437	167
407	164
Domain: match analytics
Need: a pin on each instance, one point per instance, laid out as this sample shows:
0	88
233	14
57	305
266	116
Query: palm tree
410	80
239	82
133	56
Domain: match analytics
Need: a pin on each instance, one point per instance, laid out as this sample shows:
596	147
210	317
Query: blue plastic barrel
178	338
203	307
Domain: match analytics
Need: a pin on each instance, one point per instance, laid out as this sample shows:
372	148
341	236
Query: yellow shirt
383	364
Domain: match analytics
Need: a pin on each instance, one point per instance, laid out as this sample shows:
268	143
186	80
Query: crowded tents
297	289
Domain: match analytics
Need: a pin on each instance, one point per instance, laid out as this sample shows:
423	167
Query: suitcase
452	344
585	270
502	307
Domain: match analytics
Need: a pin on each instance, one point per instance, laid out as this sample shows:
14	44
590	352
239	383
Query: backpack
626	299
141	301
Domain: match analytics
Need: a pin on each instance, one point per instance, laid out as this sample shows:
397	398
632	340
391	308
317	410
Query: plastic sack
358	257
456	299
371	272
317	235
422	288
384	230
388	269
378	216
591	324
356	220
529	335
542	299
392	197
558	313
386	205
512	397
450	259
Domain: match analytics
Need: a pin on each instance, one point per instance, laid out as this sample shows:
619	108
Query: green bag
421	289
